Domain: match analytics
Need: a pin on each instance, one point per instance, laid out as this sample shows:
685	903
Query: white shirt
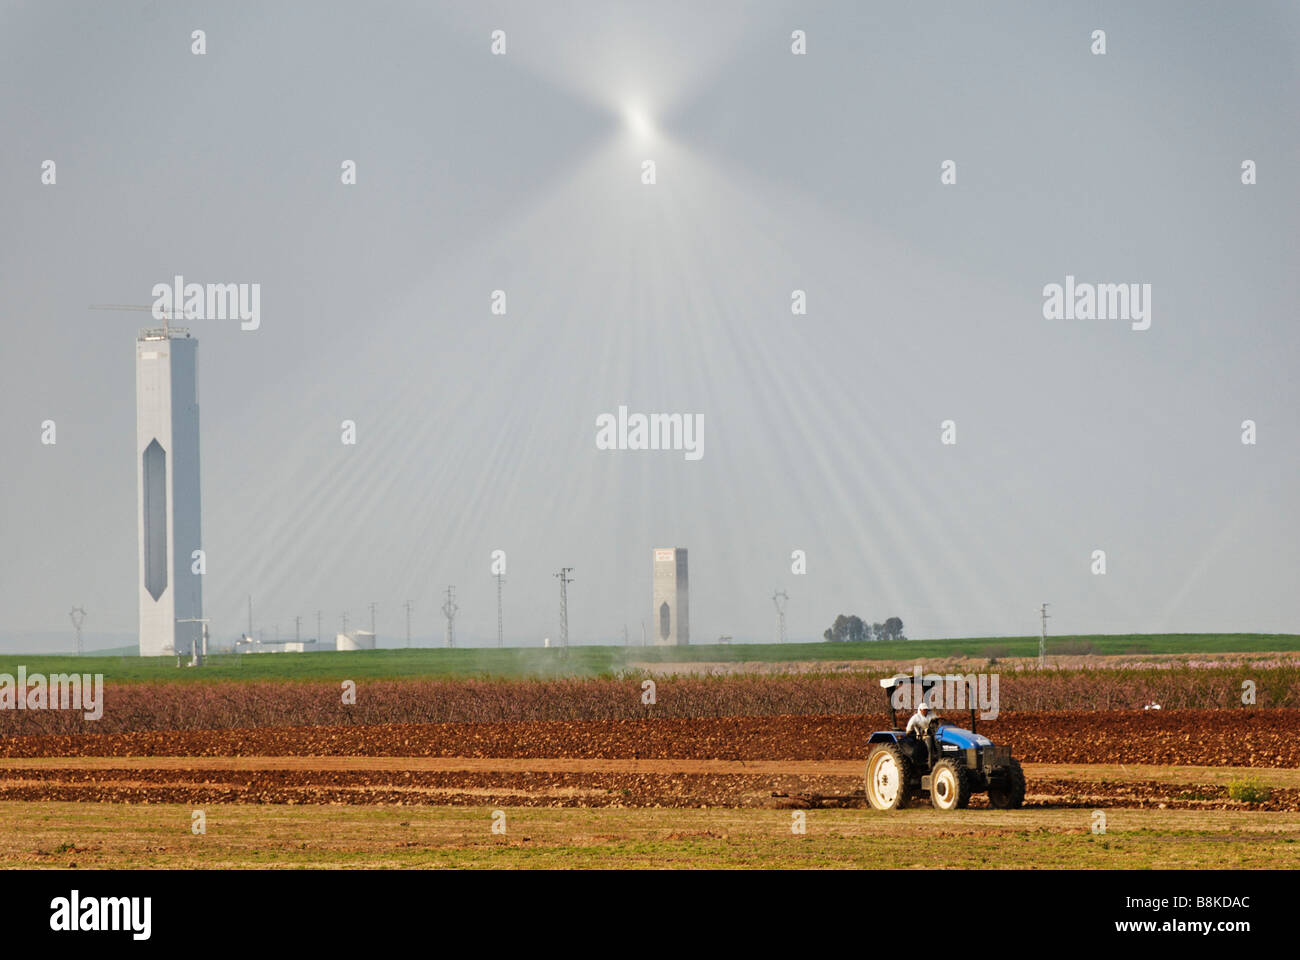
919	722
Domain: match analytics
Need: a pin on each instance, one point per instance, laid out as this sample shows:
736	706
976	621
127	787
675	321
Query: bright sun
638	121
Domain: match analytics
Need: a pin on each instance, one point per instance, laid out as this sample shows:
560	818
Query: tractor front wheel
949	786
888	772
1008	792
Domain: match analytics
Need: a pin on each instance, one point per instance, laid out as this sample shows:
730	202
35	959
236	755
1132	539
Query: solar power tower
169	506
671	615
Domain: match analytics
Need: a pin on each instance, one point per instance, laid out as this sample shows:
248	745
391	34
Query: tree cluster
853	629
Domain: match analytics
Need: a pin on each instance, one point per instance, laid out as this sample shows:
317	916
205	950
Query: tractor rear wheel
1008	793
949	786
888	773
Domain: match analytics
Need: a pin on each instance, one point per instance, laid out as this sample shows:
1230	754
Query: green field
605	660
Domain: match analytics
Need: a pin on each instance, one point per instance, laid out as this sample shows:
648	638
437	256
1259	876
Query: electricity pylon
565	580
779	598
78	616
449	609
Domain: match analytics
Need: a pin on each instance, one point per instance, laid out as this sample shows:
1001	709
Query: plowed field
1246	738
777	761
566	783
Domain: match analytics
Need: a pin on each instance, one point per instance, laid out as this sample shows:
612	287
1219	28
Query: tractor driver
919	725
920	721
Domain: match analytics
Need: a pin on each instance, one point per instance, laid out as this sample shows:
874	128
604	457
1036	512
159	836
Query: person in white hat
919	724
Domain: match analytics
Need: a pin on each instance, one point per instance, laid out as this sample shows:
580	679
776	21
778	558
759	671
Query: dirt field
718	791
1259	738
62	835
541	782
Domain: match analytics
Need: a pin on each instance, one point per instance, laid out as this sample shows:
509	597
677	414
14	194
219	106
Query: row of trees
853	629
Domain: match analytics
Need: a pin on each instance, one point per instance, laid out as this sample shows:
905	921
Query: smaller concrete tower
671	614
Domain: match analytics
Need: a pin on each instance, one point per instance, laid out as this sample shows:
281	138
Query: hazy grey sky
775	172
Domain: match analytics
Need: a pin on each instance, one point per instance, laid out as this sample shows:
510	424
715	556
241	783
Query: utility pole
449	609
319	638
373	635
199	649
780	598
297	629
643	633
345	621
250	616
501	636
565	580
78	616
1042	642
408	623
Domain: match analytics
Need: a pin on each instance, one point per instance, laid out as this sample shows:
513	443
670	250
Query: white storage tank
356	640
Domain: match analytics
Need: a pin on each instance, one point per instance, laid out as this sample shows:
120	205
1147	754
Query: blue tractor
948	762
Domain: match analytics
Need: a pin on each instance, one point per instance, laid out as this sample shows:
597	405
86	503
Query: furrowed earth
1247	738
1173	788
589	783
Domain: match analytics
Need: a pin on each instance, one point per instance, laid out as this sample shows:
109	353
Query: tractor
949	763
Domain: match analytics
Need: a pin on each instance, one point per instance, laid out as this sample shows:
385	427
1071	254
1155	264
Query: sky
773	172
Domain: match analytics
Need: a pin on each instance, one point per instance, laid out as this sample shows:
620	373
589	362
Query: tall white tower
167	496
671	615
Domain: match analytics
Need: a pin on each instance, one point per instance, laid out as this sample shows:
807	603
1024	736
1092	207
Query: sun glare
638	121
